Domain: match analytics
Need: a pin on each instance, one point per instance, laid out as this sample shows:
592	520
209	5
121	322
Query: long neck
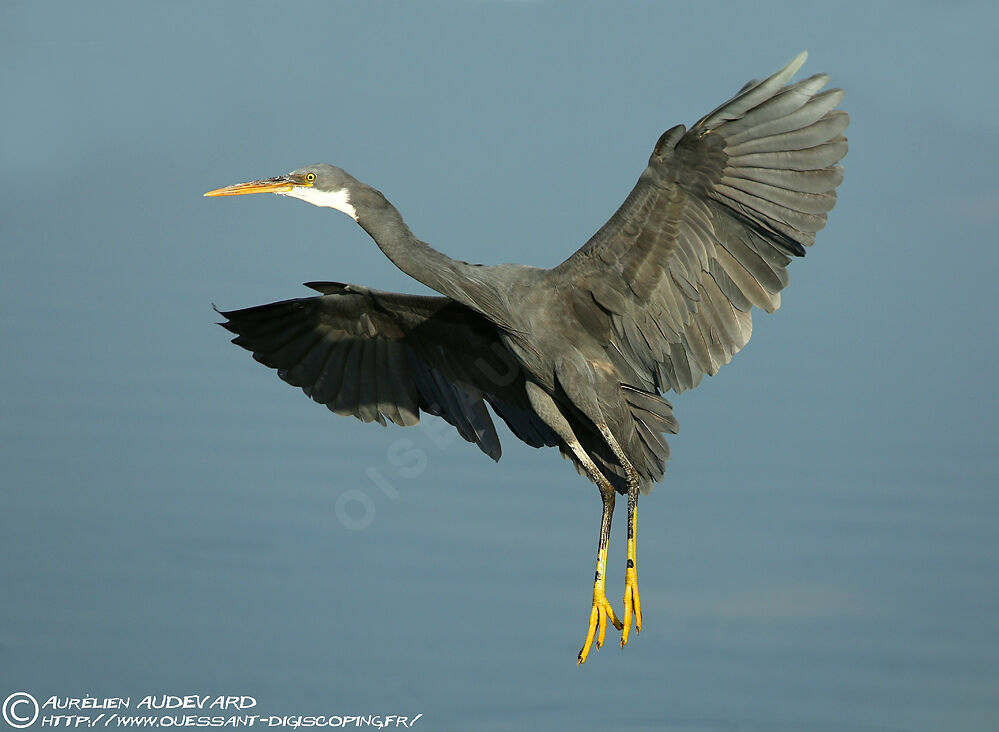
416	258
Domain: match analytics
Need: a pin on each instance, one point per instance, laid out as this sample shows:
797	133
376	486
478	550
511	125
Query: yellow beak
280	184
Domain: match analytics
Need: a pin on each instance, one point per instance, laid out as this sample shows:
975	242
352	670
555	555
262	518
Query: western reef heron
577	356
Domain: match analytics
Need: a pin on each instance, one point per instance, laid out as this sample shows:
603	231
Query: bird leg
632	601
601	610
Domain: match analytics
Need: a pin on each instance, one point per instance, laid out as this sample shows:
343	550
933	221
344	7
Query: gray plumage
657	298
580	355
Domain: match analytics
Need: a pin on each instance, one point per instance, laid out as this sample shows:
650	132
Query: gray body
657	298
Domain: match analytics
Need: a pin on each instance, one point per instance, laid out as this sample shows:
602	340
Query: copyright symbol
20	710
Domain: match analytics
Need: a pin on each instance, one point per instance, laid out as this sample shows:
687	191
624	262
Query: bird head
319	184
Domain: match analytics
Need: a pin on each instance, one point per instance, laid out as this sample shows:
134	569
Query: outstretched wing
670	279
384	356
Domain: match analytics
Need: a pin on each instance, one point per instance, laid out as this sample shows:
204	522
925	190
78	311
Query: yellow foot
599	614
632	605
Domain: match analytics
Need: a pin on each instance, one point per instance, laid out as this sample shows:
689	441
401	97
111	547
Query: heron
578	356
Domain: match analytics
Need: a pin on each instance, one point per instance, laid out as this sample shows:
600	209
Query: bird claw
599	615
632	605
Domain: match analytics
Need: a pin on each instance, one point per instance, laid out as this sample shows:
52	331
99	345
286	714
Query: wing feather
381	357
710	227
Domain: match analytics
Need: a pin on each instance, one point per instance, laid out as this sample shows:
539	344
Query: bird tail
652	416
646	445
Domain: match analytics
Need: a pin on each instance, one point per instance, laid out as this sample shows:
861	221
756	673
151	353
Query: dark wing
670	279
380	355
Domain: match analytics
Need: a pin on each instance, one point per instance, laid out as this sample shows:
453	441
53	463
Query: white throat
340	200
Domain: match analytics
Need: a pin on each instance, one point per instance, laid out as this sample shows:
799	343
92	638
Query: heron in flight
579	356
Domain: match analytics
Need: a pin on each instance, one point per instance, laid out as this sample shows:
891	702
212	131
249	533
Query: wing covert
709	229
383	356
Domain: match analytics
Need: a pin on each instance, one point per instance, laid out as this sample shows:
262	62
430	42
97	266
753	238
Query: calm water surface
823	554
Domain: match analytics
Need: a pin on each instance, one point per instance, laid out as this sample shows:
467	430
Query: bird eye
310	177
